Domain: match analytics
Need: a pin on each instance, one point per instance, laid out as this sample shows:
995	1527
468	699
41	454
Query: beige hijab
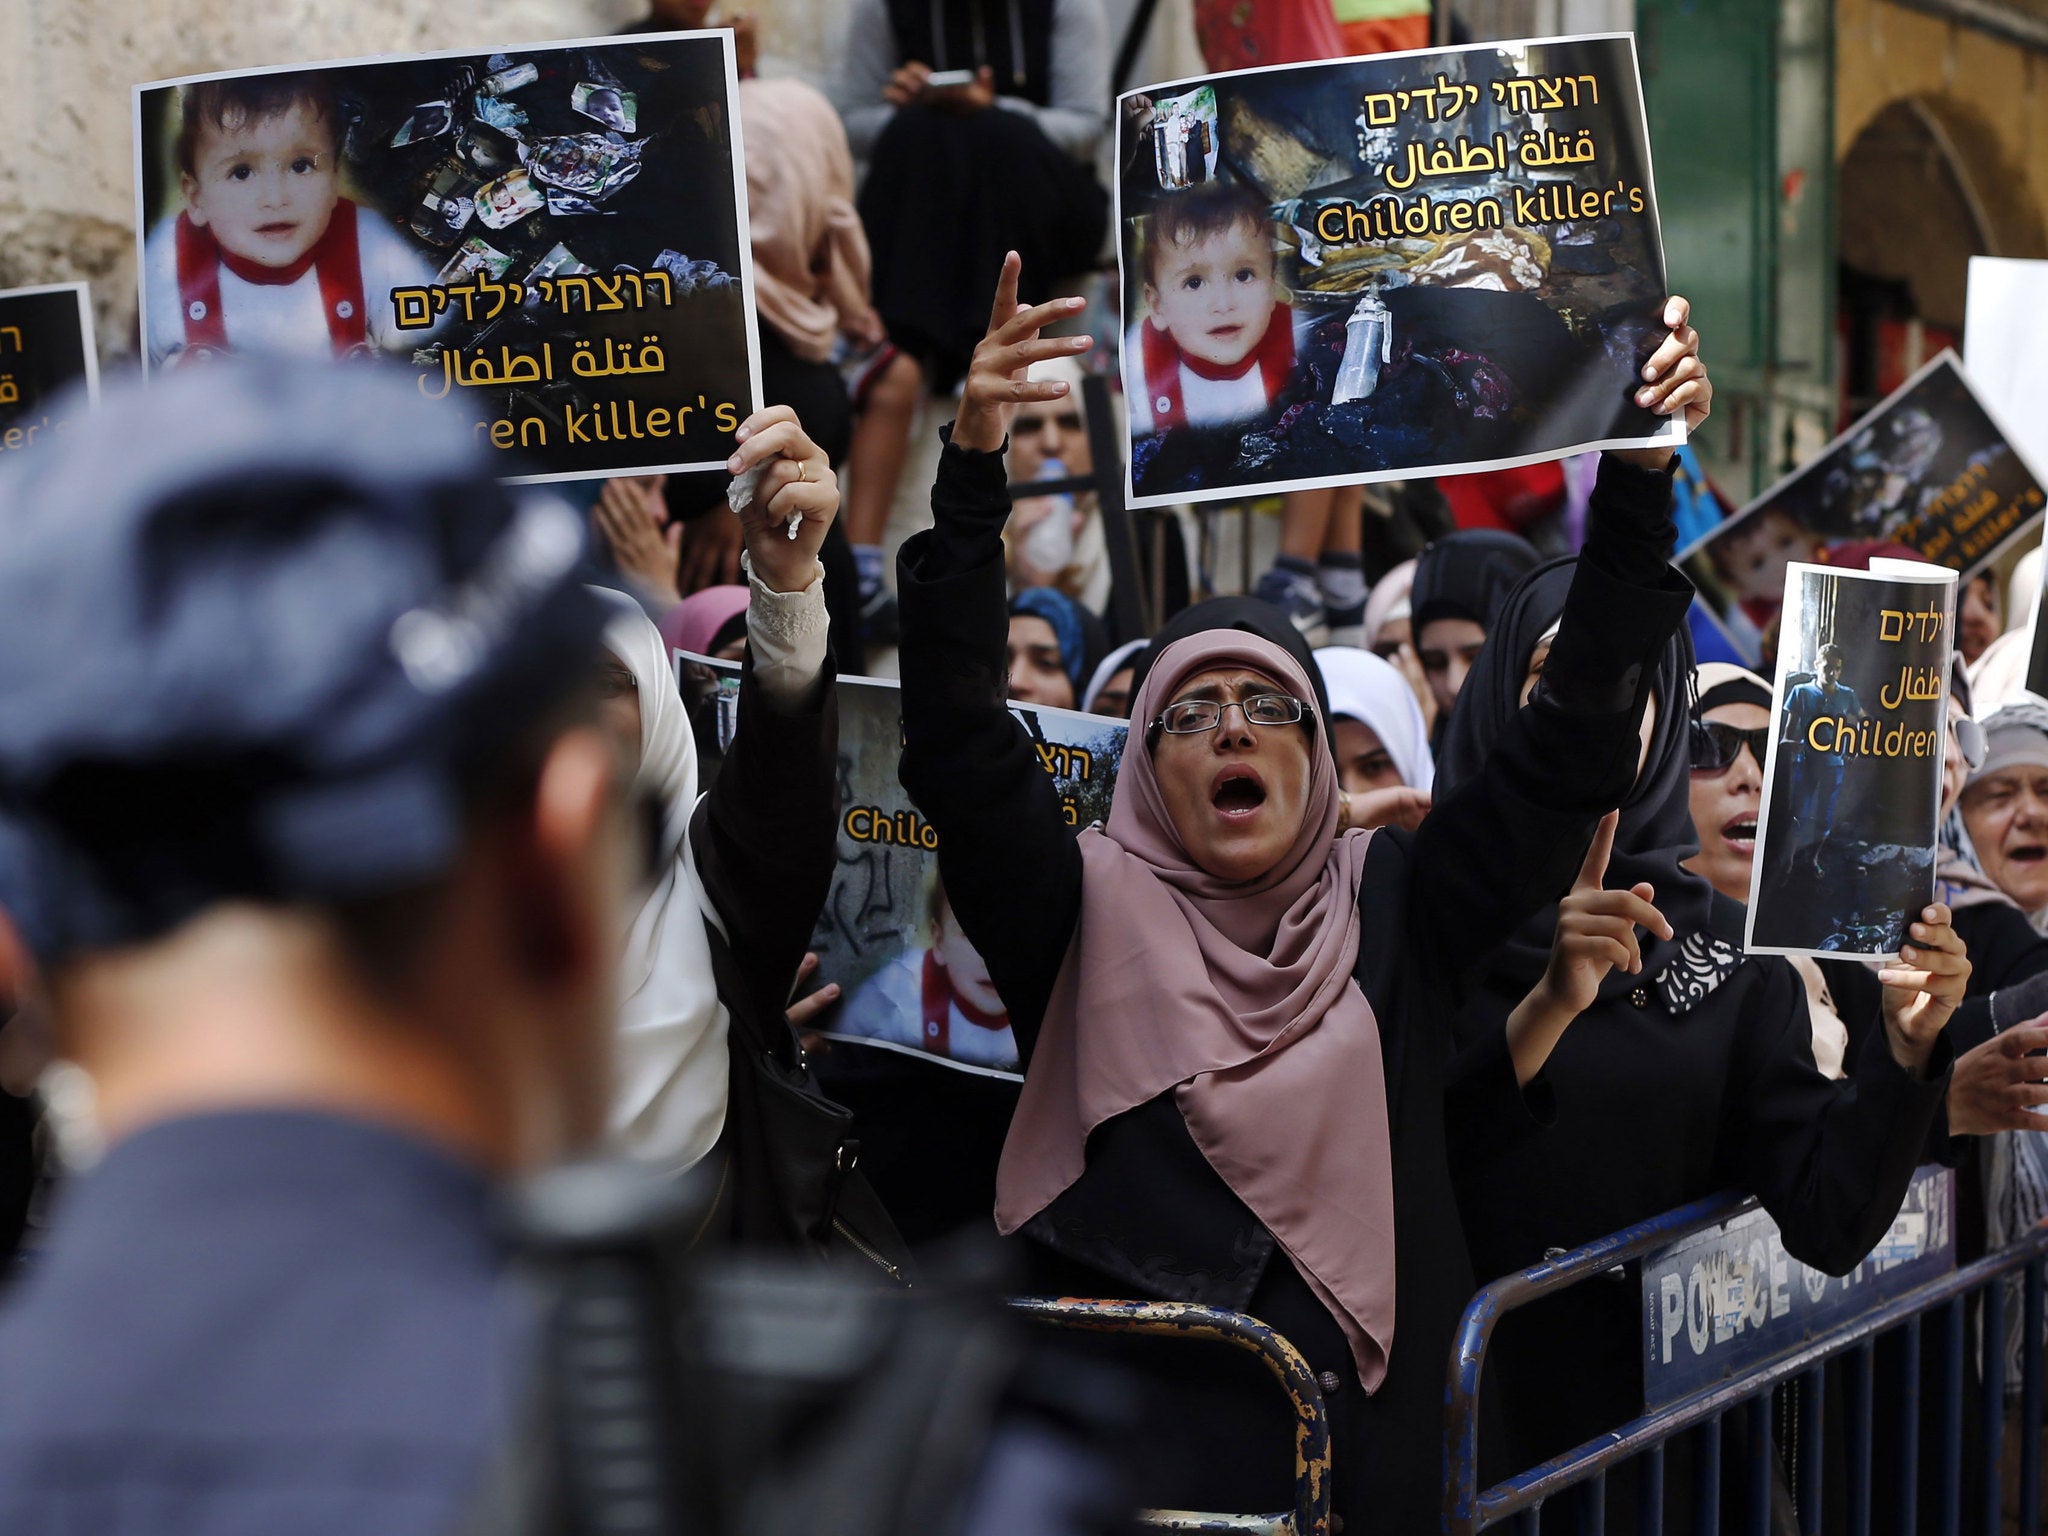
811	262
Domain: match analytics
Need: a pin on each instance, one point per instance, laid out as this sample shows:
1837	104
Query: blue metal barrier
1934	1308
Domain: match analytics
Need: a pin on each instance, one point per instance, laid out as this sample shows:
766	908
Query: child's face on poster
266	187
1754	559
1214	296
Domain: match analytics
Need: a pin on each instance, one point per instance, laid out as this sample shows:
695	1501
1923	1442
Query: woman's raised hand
1369	808
798	484
1596	929
996	384
1596	932
1999	1085
633	518
1923	986
1675	382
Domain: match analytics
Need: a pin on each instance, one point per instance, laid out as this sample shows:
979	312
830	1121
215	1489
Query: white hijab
1377	696
668	1105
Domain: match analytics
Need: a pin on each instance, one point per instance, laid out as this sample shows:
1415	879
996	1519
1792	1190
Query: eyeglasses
1971	741
1716	746
1025	426
1190	716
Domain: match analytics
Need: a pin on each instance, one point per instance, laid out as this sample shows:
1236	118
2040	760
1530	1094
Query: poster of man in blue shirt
1853	786
1819	771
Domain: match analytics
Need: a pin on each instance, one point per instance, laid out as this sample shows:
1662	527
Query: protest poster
2005	345
46	345
1852	788
910	979
1930	473
553	237
1373	268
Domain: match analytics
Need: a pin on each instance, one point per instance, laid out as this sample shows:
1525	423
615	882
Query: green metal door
1741	105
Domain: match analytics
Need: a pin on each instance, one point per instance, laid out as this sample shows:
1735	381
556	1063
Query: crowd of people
355	868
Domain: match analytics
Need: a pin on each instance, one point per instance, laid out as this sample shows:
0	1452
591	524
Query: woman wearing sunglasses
1731	731
1688	1073
1233	1018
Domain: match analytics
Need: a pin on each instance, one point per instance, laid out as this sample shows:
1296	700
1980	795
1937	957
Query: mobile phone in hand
940	80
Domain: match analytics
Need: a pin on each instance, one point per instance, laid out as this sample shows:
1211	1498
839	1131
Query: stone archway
1923	187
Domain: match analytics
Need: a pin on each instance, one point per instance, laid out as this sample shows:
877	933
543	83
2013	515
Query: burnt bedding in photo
1505	342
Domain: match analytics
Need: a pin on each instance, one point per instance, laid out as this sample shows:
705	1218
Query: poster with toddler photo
1928	474
1852	789
553	237
46	346
910	979
1369	268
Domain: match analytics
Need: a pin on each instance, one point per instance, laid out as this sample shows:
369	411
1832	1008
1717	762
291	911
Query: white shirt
285	318
1204	402
890	1007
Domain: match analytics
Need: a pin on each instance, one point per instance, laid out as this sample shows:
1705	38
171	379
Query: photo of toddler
267	255
1216	345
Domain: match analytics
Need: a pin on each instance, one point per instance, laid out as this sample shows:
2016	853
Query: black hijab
1254	616
1467	574
1656	830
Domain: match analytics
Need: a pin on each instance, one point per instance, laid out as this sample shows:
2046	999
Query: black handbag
794	1174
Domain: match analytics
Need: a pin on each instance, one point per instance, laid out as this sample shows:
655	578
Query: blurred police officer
325	860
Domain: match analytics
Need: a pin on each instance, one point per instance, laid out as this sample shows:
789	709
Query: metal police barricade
1729	1316
1217	1325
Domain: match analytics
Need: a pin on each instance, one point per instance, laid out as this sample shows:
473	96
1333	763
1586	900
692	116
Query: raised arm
766	836
1010	865
1831	1160
1507	843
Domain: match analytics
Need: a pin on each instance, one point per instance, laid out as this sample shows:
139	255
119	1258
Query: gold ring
803	472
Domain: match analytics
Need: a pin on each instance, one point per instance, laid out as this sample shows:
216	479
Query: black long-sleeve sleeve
766	836
1010	865
1506	844
1502	847
1829	1161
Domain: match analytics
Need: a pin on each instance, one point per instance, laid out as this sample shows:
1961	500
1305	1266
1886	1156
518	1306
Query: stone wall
1988	97
67	178
66	67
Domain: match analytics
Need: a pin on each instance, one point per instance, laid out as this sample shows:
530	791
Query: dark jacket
766	842
259	1322
2008	986
1660	1100
1149	1217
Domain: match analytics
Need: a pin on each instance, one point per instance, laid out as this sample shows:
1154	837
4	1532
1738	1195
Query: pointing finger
1594	870
1005	306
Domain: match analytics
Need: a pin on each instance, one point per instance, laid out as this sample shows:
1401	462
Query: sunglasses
1716	746
1971	741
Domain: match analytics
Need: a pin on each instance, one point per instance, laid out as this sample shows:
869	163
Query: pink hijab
694	623
1238	997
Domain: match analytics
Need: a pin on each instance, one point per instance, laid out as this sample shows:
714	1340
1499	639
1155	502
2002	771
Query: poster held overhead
1930	472
1374	268
46	346
1845	857
585	296
2005	345
911	980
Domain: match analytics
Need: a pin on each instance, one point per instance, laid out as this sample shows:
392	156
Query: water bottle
1049	544
1368	344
